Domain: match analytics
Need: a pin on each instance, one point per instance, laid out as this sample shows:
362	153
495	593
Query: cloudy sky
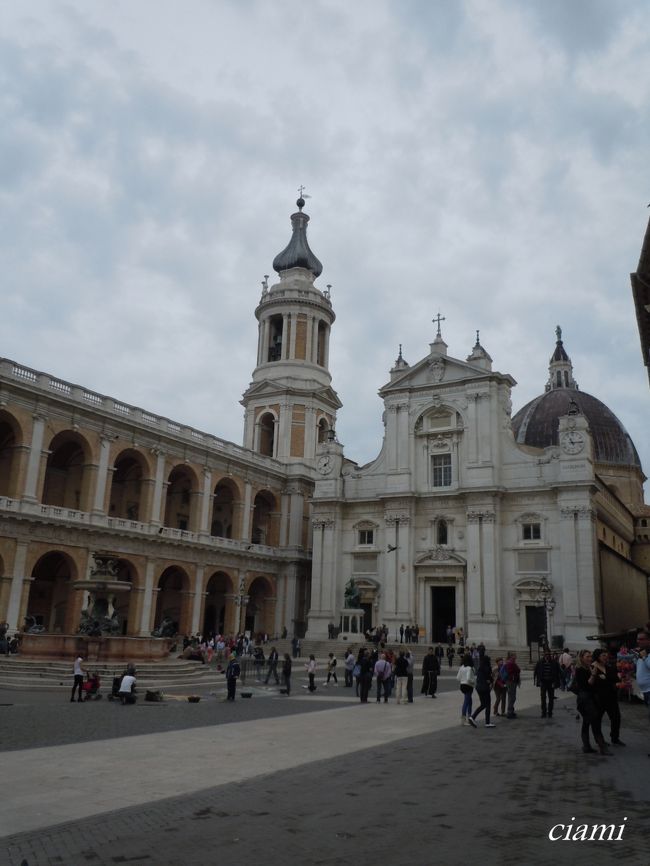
485	158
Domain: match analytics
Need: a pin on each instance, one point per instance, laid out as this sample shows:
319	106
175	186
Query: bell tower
290	404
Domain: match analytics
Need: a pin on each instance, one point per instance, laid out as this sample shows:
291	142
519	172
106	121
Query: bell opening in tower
320	350
267	435
275	338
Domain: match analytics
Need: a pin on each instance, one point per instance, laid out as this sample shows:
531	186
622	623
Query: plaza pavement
311	779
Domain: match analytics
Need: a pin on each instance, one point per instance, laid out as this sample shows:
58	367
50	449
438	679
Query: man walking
512	677
286	673
547	678
273	667
349	667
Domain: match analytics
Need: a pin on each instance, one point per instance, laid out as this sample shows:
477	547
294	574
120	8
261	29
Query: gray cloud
486	164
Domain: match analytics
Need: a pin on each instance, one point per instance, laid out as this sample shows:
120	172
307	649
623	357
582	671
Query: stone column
296	514
199	595
156	506
284	354
474	570
102	476
391	568
147	600
204	524
248	507
391	438
34	462
309	342
403	436
284	519
16	591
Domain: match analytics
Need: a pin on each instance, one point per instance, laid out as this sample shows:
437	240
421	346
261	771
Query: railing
44	382
71	515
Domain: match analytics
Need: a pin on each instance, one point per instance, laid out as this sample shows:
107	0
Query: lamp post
241	600
546	597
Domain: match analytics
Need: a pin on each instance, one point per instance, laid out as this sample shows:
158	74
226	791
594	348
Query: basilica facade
509	526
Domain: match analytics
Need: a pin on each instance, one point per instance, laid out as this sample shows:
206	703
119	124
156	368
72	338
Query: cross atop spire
436	321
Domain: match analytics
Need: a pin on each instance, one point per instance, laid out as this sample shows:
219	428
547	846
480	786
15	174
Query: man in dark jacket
547	678
273	667
232	675
430	671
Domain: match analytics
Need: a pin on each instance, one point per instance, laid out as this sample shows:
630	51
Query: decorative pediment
435	370
439	555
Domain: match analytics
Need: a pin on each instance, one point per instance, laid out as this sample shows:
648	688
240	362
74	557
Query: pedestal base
94	649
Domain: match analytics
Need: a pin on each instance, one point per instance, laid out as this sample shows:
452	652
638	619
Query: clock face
572	442
324	464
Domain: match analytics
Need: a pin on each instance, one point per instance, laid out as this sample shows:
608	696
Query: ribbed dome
297	253
537	424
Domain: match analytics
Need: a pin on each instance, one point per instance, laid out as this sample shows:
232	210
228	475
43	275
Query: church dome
537	423
297	253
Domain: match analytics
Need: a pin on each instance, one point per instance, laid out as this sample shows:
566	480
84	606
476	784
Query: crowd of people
593	676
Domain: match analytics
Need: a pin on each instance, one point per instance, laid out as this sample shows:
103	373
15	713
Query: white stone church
508	527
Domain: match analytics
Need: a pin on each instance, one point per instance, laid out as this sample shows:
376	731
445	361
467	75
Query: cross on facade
436	320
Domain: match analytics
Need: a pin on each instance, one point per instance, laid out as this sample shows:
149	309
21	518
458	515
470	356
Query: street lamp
544	595
241	601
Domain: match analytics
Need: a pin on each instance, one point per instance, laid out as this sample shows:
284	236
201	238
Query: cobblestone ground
452	797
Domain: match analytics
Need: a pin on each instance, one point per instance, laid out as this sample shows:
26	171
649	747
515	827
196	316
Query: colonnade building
504	525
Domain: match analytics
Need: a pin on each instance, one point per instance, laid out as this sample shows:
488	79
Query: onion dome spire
297	253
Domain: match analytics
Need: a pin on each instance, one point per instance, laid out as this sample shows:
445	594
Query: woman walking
500	690
588	678
467	678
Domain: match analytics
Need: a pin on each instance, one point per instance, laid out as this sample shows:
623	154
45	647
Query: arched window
267	435
322	430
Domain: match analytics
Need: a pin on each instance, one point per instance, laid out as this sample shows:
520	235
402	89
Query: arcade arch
10	442
218	603
127	486
260	611
66	481
225	502
265	514
51	594
181	500
173	601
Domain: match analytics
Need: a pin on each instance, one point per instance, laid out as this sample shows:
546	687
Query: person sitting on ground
126	693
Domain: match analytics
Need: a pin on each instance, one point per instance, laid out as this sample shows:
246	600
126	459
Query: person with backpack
500	690
467	678
233	672
384	672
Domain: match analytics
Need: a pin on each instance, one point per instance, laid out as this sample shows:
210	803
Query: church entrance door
535	623
443	611
367	615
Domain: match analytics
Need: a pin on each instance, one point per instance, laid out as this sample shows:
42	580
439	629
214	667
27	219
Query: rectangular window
366	536
532	560
532	531
441	470
364	564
